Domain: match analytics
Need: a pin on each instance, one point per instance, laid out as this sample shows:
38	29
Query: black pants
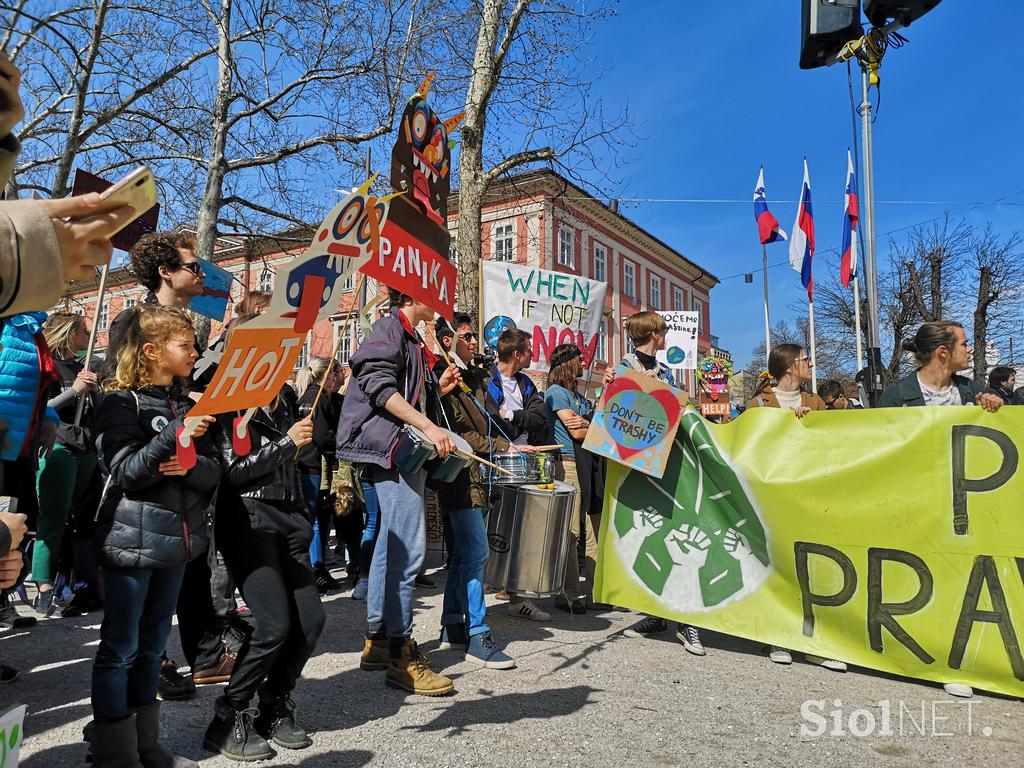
349	530
275	578
199	626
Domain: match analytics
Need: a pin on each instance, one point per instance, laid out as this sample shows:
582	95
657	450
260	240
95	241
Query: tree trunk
472	180
981	322
216	166
936	259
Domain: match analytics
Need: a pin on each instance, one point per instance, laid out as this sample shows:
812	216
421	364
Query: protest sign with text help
680	350
635	422
553	307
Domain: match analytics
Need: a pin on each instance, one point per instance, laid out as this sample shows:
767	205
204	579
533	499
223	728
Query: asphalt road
583	695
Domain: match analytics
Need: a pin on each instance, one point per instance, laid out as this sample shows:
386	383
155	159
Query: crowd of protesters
90	458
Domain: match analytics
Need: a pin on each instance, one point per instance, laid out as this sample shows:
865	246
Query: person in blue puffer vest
26	371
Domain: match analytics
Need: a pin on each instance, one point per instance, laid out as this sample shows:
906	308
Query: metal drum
413	450
448	468
524	468
528	538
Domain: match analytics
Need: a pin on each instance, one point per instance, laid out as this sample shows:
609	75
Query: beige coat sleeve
31	271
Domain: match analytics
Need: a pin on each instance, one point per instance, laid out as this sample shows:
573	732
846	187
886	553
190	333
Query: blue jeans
137	610
321	519
401	547
369	540
464	590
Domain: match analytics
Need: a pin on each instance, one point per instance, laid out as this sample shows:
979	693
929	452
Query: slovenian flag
767	225
801	246
848	261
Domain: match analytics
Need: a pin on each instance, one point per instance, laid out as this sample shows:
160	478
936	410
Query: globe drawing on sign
495	327
694	538
675	355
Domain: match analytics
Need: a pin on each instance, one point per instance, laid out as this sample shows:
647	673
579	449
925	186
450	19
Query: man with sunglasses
831	391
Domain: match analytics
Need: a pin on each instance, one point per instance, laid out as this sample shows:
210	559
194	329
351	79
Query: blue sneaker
453	637
484	653
361	589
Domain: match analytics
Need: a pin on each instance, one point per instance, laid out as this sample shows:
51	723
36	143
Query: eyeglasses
804	359
193	266
833	401
466	336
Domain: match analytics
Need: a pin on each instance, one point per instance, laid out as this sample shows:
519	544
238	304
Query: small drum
447	469
413	450
525	468
528	539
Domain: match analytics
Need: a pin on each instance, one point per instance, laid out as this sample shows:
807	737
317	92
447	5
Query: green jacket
907	392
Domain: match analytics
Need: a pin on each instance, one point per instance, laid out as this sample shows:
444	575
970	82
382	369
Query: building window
628	278
129	303
677	300
266	280
503	243
600	263
698	307
103	317
345	344
348	283
655	292
565	247
303	360
453	253
601	353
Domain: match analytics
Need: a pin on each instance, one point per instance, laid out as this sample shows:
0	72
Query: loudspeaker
825	27
903	11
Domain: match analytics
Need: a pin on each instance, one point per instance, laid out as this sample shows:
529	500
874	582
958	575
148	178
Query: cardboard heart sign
634	419
635	422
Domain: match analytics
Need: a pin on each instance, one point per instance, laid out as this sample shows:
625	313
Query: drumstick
549	447
474	457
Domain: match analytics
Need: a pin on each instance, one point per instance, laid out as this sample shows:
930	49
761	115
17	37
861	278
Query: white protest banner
553	307
680	340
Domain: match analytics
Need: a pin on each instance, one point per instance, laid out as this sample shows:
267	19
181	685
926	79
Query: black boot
153	754
276	722
113	745
231	733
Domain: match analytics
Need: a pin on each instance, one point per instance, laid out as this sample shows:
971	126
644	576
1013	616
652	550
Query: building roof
544	183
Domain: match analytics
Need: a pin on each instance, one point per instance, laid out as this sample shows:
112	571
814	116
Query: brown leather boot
221	673
411	672
375	655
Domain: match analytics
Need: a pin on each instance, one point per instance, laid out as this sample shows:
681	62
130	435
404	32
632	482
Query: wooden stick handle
549	448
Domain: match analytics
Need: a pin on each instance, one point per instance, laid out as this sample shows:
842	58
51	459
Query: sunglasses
466	336
194	267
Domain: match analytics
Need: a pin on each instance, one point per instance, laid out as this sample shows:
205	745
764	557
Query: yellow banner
891	539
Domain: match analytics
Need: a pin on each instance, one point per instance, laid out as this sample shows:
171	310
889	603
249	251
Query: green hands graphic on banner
698	512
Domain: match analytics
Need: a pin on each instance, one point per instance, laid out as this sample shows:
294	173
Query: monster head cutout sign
713	374
635	422
413	256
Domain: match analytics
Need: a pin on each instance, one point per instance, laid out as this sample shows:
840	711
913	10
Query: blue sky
716	93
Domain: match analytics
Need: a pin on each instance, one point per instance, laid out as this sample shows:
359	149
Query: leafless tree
998	278
527	100
934	259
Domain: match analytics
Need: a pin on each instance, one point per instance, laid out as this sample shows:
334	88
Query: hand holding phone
83	234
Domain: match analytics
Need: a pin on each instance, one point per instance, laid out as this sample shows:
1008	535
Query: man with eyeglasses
831	391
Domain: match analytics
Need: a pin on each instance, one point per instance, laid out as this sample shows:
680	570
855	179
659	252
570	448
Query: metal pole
767	320
856	322
868	216
92	339
814	370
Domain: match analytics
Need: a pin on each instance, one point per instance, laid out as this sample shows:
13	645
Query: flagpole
767	321
814	370
100	296
856	322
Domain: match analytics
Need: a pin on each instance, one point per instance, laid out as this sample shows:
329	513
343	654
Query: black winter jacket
531	421
266	478
325	429
147	519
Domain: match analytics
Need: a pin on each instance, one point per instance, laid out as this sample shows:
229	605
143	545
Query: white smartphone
137	189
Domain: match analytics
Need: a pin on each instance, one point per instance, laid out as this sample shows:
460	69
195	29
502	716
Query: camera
484	361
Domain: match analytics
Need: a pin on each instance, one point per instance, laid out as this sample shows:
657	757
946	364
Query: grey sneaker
361	589
44	604
483	652
780	655
690	638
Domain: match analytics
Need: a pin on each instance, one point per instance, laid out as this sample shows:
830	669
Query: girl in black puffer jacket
151	518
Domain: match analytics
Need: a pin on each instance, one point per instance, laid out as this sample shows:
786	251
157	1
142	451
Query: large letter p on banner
962	485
